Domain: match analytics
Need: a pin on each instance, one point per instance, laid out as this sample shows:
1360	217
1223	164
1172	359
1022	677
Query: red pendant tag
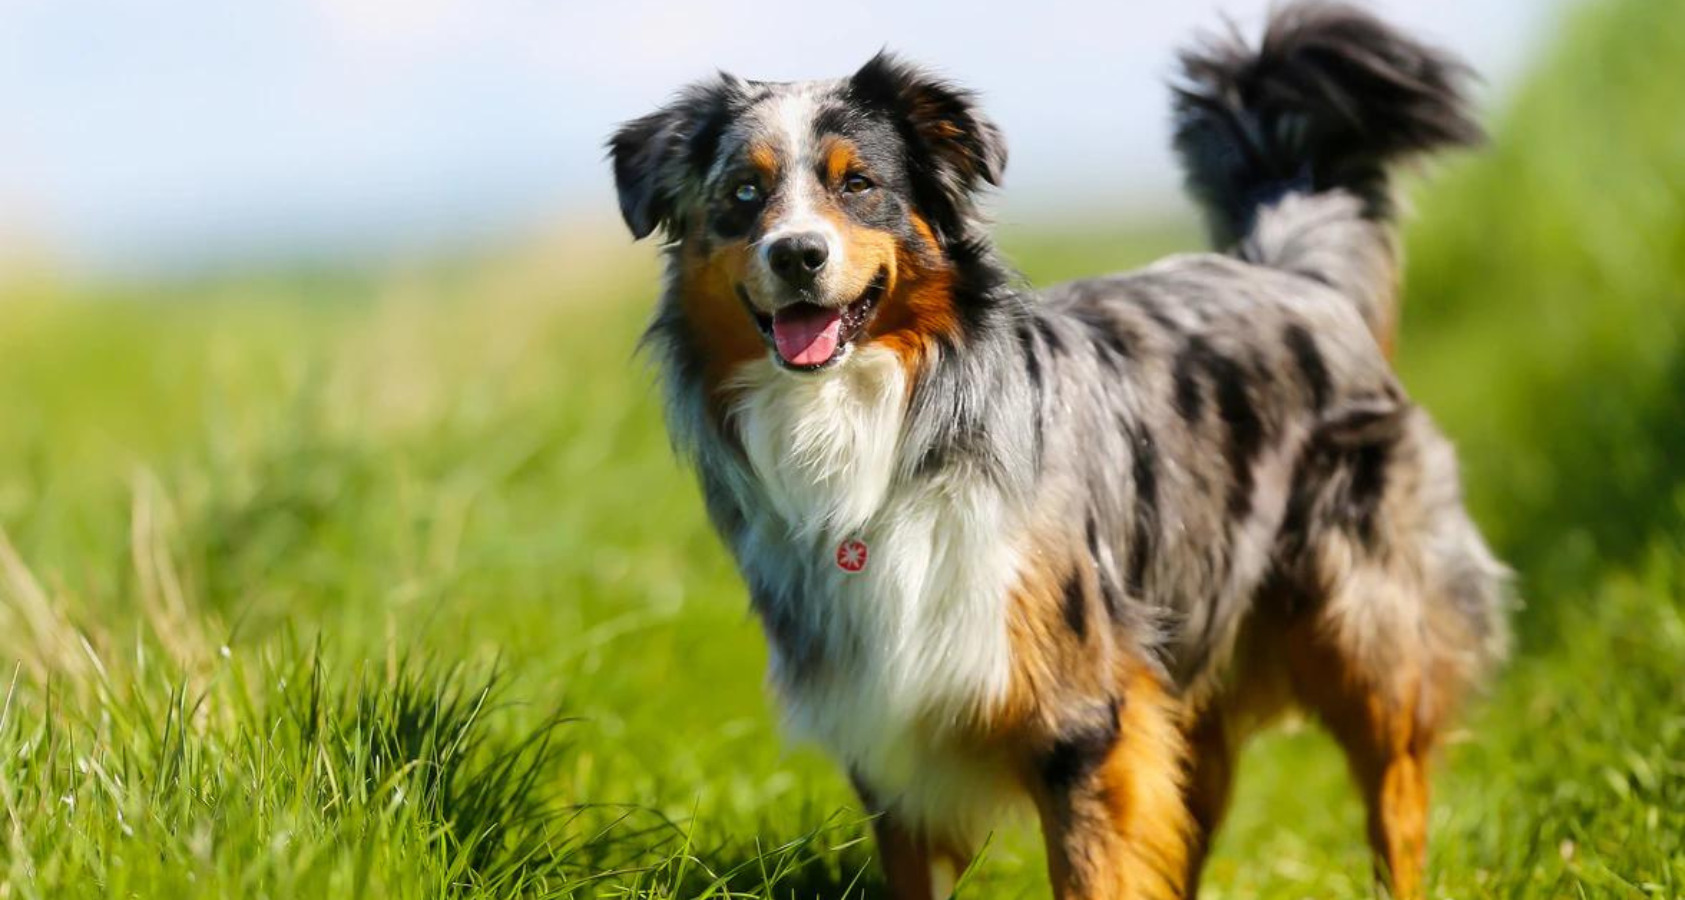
851	556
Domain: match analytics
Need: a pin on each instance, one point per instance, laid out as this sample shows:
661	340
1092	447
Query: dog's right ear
658	156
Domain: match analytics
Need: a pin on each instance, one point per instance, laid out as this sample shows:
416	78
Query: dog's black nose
797	258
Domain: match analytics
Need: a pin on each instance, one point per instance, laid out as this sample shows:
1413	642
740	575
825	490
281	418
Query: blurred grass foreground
323	584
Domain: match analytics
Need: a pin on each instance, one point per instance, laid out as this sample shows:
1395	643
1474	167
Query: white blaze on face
789	119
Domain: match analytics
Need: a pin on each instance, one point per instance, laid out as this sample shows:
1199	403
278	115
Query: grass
329	584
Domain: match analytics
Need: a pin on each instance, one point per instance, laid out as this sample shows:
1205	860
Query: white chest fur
918	637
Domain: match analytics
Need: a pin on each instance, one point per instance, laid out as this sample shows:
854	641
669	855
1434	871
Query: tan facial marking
764	160
841	158
721	327
918	304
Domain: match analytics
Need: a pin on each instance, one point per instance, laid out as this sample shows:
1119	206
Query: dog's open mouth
808	337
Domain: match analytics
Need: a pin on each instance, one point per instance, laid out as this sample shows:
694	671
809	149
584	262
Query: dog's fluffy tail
1287	145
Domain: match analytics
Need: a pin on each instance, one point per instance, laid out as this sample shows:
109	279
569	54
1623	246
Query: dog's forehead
785	118
788	118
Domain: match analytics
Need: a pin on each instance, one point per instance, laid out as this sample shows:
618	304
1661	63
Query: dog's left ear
953	148
659	156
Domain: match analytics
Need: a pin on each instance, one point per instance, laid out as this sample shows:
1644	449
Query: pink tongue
806	335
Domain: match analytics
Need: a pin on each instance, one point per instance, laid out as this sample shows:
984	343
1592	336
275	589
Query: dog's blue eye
746	193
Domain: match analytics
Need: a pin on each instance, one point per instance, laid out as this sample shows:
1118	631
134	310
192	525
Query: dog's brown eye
856	184
747	192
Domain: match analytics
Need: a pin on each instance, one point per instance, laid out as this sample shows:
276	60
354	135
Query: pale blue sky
185	132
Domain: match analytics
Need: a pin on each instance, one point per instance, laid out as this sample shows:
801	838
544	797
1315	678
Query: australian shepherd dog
1073	545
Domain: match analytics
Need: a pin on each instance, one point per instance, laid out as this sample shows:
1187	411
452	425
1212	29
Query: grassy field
327	585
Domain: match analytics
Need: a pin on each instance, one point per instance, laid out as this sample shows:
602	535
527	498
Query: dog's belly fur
891	668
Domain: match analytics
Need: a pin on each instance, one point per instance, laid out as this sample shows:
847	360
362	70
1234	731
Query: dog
1072	546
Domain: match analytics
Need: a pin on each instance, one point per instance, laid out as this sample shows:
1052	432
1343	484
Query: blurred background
142	136
342	551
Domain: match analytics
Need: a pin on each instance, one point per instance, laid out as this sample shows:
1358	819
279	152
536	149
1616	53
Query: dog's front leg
1110	798
914	866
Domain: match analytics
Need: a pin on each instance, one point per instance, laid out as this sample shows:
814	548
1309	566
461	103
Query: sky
181	133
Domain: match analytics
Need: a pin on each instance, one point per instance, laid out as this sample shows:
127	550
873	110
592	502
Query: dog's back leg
1405	617
1386	731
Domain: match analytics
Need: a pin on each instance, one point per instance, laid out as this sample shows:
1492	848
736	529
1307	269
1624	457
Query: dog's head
818	214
